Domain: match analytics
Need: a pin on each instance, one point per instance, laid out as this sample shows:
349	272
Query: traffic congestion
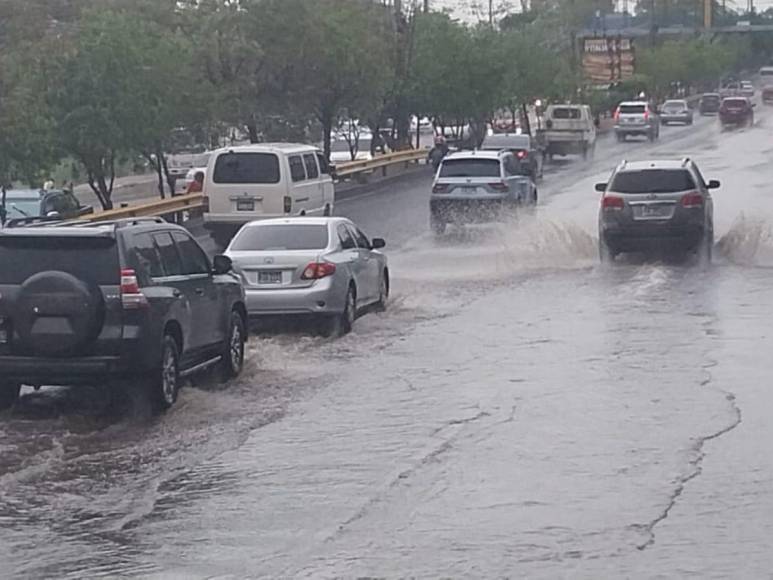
543	356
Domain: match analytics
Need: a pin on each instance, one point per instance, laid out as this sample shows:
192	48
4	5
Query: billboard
607	59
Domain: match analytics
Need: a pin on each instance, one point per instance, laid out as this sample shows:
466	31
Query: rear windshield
566	113
470	168
281	237
734	103
652	181
499	142
710	98
766	72
93	260
246	168
632	109
674	106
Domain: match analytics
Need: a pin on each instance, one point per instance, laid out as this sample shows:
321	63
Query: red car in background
736	111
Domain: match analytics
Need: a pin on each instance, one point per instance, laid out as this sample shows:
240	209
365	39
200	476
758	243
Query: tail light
692	199
612	202
440	188
288	204
498	186
318	270
131	295
522	154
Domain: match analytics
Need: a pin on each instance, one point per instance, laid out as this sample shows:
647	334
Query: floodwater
519	410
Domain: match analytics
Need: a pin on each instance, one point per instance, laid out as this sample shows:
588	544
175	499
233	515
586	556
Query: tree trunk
252	129
169	180
159	175
327	128
418	132
526	121
99	186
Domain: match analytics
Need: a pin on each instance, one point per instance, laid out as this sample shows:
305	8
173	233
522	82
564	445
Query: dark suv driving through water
656	205
135	301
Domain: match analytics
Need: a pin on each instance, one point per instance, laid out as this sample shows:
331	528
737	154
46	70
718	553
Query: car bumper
633	129
652	236
72	371
734	119
472	210
675	118
326	296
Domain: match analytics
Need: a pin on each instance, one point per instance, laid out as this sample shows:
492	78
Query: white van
263	181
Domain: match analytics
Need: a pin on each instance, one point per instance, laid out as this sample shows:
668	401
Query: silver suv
654	205
636	118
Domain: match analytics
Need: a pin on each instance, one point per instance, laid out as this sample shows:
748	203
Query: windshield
21	208
632	109
652	181
281	237
470	168
566	113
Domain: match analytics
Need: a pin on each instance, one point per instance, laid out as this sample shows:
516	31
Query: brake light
131	294
692	199
612	202
522	154
318	270
498	186
440	188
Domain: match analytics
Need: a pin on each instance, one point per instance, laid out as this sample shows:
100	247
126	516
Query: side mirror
601	187
713	184
222	264
378	243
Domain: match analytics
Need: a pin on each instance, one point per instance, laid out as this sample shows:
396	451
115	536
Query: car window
360	239
148	260
281	237
632	109
512	167
21	208
297	172
194	259
566	113
310	161
470	168
246	168
347	240
652	181
324	168
170	258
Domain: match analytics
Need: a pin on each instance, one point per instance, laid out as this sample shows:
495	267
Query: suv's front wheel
9	394
233	350
165	381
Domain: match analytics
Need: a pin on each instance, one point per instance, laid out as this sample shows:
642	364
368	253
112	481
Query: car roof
654	164
269	148
505	139
633	103
680	101
477	154
298	221
711	94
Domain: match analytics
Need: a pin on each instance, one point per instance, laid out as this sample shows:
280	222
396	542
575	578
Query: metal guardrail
196	202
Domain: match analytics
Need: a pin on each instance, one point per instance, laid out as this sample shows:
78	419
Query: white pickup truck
569	129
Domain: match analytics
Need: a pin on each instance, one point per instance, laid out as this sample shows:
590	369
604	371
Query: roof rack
32	220
124	222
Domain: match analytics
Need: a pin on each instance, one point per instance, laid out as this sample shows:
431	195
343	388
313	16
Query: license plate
245	205
271	277
469	190
655	211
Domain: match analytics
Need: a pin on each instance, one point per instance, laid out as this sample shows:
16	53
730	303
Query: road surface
518	411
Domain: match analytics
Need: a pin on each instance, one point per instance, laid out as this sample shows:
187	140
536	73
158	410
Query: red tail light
131	294
498	186
440	188
318	270
522	154
612	202
692	199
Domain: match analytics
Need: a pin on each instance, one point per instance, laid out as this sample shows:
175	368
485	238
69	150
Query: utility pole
708	8
426	6
491	13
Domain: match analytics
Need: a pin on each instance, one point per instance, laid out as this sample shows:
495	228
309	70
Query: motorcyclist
438	152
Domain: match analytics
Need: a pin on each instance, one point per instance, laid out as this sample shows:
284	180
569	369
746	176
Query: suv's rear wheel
233	349
9	394
606	254
165	382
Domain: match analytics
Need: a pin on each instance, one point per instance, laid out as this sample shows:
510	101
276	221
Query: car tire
437	225
342	323
232	362
9	394
606	255
383	291
165	381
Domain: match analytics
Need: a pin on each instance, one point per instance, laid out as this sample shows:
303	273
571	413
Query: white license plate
270	277
245	205
655	211
469	190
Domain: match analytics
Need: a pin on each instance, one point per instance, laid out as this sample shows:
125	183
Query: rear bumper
326	296
652	236
634	129
468	210
675	118
93	371
734	119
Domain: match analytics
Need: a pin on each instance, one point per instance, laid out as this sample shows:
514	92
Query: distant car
323	268
653	205
736	111
478	186
676	111
569	128
523	146
709	104
32	204
747	89
340	153
636	118
730	89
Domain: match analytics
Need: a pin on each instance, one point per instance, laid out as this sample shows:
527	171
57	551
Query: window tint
148	260
246	168
652	181
297	172
566	113
94	260
347	241
470	168
169	255
311	165
281	237
324	168
361	239
194	259
632	109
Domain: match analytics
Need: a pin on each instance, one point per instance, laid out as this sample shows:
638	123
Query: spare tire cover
57	313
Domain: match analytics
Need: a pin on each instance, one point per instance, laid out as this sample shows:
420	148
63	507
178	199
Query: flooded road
519	410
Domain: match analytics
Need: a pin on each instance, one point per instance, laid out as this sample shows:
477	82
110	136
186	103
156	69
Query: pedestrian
49	184
438	152
197	185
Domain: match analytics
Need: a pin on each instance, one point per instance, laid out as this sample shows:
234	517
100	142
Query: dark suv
736	111
135	301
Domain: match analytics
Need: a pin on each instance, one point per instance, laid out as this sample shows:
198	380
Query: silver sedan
322	267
